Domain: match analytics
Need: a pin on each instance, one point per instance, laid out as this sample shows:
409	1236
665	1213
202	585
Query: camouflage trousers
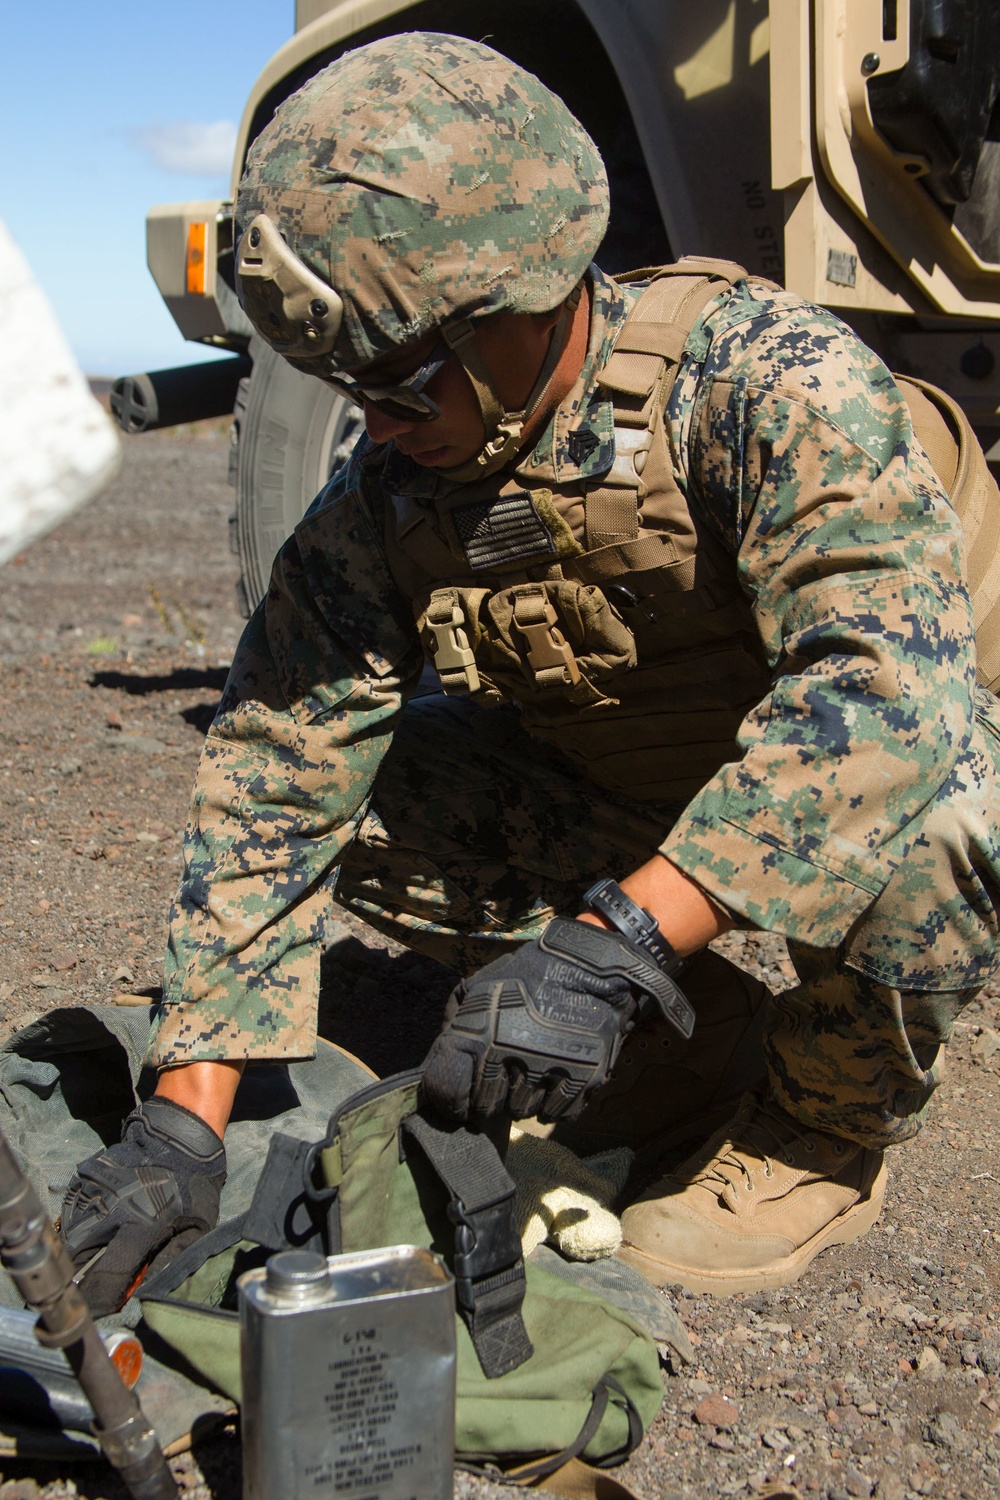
477	835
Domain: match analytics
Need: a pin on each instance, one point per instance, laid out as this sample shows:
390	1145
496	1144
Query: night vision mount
291	308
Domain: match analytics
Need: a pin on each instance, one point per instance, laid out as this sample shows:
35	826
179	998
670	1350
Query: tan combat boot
667	1095
755	1206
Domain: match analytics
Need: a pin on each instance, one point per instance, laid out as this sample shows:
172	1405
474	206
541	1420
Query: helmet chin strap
503	428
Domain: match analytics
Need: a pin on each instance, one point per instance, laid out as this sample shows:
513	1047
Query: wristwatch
633	922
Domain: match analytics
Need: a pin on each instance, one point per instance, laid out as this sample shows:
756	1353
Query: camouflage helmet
419	180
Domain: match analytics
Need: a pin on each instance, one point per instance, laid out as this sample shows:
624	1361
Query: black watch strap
634	922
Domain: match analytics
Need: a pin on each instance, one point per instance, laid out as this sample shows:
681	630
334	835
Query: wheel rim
332	435
294	434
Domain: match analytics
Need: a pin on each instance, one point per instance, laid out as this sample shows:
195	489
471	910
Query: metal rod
37	1385
36	1261
40	1398
20	1349
187	393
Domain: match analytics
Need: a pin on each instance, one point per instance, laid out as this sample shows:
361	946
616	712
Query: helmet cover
422	178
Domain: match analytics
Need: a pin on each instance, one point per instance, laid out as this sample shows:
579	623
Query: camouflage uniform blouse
794	443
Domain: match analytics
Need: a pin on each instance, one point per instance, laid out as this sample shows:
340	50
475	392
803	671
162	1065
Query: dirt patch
879	1373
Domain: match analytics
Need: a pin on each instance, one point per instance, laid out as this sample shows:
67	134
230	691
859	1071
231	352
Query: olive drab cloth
840	783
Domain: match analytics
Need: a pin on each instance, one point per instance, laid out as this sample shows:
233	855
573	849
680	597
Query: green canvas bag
548	1369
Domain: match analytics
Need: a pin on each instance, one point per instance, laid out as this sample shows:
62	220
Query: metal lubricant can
348	1369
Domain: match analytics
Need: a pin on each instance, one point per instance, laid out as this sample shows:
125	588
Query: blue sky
104	111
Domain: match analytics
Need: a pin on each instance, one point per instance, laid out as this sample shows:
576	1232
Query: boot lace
764	1132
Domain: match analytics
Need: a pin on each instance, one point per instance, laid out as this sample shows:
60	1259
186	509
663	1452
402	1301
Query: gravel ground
878	1374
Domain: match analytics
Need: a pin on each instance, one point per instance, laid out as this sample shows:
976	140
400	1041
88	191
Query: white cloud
199	150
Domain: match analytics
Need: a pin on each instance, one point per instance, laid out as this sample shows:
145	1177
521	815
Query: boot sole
846	1228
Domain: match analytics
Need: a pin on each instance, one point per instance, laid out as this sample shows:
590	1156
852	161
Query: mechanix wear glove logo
535	1032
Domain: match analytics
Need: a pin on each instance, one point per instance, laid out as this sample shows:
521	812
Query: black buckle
486	1246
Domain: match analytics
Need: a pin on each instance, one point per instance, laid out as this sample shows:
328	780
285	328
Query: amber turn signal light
196	258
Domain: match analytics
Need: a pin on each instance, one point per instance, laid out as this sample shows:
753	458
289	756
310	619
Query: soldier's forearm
687	917
207	1089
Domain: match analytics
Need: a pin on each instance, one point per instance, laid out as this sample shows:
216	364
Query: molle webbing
625	640
640	375
699	667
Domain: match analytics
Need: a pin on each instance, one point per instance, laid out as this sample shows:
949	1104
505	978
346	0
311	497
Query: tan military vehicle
849	149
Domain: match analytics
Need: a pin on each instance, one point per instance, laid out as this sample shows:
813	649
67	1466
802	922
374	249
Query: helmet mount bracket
299	313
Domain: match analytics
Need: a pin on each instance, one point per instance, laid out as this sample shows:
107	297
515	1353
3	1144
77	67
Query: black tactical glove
159	1187
534	1032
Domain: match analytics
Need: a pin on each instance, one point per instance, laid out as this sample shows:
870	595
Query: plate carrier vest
607	611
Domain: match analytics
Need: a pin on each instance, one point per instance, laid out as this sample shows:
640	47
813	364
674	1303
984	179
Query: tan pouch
531	638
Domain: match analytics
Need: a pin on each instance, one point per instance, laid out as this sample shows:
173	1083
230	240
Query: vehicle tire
291	433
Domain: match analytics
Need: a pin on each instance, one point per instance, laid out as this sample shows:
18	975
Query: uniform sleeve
803	459
320	675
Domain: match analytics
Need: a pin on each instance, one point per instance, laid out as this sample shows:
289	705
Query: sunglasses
404	400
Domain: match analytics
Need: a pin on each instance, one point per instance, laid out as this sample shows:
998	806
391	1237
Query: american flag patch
501	533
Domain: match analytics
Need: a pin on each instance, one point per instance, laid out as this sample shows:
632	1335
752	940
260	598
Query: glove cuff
179	1127
602	952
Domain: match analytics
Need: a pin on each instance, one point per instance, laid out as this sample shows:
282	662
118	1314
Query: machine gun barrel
41	1270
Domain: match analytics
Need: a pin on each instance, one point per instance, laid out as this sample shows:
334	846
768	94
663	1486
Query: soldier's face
513	346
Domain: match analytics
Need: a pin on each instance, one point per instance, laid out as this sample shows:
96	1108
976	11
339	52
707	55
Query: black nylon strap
532	1472
529	1473
634	1426
221	1238
489	1268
